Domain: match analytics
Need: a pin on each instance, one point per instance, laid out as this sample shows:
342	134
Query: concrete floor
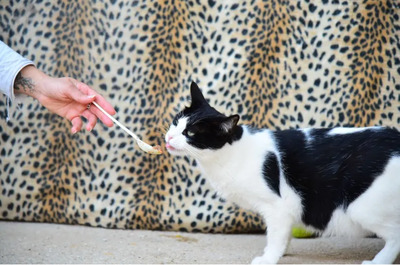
53	243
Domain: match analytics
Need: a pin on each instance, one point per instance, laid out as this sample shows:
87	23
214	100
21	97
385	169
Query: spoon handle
117	122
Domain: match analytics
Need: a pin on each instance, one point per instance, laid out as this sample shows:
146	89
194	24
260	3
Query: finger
81	93
91	120
76	125
104	119
105	104
85	89
79	96
99	98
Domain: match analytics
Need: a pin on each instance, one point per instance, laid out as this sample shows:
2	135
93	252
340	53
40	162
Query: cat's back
325	142
333	167
337	152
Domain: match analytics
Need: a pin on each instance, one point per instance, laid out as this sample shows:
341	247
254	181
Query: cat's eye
188	133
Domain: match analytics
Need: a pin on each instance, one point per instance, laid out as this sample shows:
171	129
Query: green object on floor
299	232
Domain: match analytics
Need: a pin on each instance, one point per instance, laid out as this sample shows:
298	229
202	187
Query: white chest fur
235	171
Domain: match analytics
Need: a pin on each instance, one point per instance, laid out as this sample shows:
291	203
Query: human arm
65	96
11	64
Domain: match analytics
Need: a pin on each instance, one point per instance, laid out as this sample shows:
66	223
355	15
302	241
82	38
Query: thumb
80	97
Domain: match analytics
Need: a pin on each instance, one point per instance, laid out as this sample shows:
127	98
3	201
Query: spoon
156	150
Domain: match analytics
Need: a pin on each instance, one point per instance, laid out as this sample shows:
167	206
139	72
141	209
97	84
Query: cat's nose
168	145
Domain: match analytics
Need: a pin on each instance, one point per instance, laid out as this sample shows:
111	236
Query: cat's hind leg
388	254
378	210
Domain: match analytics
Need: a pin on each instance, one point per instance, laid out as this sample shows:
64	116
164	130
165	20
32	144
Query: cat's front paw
262	260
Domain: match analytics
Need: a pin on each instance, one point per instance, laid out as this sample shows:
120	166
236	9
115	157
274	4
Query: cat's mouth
170	147
173	150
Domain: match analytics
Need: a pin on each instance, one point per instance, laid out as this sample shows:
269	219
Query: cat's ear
197	97
229	123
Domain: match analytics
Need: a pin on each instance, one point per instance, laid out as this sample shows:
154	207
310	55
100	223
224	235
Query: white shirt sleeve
11	64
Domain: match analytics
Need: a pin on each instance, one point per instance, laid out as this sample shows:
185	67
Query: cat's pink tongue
168	146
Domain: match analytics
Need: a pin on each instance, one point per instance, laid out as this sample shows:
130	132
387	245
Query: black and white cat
341	181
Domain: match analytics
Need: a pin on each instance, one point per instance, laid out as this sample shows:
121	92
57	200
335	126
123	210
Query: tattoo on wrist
24	84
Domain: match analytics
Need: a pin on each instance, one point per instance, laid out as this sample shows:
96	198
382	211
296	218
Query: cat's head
200	127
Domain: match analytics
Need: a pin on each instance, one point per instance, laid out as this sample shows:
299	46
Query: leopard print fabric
279	64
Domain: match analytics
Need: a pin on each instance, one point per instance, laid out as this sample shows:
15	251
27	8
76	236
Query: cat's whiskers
194	153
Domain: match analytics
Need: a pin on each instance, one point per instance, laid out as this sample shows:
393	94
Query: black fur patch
331	171
205	129
271	172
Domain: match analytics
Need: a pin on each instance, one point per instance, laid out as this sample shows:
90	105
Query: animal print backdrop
279	64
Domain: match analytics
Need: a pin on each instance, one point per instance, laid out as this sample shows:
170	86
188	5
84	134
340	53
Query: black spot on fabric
199	216
234	6
341	117
312	8
211	3
336	12
100	141
5	137
103	212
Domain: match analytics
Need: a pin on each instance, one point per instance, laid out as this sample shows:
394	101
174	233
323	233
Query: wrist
28	81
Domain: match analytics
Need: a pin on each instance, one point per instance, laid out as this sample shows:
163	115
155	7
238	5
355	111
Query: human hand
65	96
